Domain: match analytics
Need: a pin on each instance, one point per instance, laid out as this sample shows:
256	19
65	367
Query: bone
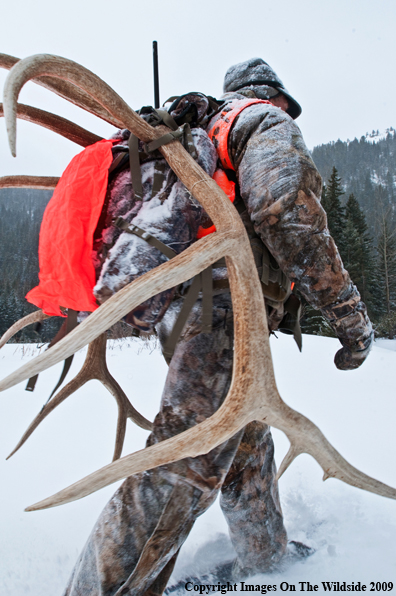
34	317
253	394
57	124
94	367
38	182
66	91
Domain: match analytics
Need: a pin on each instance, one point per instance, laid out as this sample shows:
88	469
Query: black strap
159	177
164	140
152	240
167	119
31	383
134	164
71	323
201	281
117	161
290	323
188	303
207	300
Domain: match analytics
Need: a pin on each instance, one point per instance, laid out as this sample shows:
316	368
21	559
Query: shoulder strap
220	126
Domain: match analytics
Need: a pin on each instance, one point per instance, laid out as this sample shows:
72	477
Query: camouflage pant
135	542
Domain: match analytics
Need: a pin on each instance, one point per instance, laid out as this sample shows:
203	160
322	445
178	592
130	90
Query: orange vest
219	130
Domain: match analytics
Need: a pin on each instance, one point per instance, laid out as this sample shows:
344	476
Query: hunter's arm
281	188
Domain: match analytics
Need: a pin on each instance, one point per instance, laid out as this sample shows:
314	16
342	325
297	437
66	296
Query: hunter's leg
250	503
147	520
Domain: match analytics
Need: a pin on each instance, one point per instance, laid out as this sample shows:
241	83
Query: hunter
261	161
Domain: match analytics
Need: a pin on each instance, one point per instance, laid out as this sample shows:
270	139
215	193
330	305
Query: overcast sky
335	56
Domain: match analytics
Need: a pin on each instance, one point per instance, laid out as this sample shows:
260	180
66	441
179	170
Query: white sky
334	56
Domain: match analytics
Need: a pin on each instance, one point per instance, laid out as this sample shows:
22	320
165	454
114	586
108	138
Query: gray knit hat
258	76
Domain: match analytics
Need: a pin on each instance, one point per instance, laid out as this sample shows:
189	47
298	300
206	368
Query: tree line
21	212
371	262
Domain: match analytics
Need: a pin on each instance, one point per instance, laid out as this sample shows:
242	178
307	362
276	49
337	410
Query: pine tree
335	211
386	266
359	254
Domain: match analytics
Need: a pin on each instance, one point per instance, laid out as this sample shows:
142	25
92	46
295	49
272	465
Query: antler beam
34	317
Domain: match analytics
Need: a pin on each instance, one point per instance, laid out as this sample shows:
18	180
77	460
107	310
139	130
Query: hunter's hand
354	330
350	357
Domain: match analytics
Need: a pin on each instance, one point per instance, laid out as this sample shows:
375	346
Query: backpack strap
202	281
121	223
220	127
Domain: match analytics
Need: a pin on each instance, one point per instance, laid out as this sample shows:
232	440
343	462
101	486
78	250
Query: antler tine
38	182
67	91
34	317
306	437
66	70
94	367
215	431
253	394
218	208
55	123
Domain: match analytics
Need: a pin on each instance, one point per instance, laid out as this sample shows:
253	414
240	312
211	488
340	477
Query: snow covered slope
353	532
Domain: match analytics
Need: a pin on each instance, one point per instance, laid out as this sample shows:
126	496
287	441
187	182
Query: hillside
21	212
364	166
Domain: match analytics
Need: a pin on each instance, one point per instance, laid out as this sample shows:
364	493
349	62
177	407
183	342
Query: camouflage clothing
281	188
138	536
139	533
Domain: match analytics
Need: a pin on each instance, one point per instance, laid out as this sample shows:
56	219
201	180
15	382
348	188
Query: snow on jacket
173	216
281	188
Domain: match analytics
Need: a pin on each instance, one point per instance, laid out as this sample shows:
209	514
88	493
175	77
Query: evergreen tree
359	255
386	266
335	212
21	213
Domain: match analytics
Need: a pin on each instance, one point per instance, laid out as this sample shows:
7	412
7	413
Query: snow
375	136
353	532
386	344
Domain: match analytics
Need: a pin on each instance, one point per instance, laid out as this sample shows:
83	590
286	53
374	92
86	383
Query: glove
354	330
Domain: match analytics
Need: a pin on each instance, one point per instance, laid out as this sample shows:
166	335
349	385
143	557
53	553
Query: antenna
156	78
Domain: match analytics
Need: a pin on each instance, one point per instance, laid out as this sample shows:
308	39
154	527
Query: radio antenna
156	78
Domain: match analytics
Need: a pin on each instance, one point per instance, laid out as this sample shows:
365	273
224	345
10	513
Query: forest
359	196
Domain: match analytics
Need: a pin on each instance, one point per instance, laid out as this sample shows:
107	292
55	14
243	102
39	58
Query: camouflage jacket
281	188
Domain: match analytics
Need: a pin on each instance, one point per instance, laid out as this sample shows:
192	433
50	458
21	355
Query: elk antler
68	91
253	394
94	367
34	317
57	124
38	182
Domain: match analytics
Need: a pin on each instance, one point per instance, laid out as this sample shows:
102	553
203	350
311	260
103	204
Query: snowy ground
353	532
